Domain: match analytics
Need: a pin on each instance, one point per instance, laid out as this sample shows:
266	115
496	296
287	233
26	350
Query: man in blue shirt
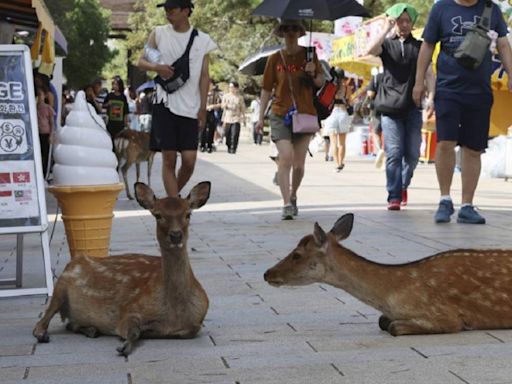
463	98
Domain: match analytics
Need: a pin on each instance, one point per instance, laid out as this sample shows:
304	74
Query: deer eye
296	256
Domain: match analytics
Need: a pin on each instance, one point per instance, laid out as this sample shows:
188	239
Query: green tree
85	24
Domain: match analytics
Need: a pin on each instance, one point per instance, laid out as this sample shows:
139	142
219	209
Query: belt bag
472	51
304	123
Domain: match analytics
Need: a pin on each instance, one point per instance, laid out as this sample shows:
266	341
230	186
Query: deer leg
124	171
150	165
90	331
137	170
129	330
422	326
40	331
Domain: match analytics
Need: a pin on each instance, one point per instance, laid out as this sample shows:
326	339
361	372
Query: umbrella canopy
255	64
310	9
146	85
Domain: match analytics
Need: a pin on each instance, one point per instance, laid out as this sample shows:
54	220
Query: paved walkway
255	333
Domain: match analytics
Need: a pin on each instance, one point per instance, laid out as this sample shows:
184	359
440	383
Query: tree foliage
235	30
85	24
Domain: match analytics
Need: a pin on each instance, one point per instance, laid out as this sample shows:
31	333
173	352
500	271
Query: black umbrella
255	64
310	9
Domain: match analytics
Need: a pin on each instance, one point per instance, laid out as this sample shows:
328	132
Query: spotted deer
452	291
134	295
132	147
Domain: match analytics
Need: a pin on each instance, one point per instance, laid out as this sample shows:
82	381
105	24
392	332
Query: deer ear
144	195
199	195
319	235
343	226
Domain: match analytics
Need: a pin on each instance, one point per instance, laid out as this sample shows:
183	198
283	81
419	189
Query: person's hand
164	71
418	92
201	118
310	68
259	127
390	23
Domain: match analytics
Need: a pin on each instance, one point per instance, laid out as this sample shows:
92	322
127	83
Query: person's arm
314	70
424	61
264	99
204	85
506	57
376	48
165	71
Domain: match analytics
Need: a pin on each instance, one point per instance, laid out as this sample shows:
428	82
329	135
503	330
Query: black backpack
181	69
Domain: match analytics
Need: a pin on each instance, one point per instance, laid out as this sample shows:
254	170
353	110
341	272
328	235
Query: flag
5	178
23	195
21	177
5	193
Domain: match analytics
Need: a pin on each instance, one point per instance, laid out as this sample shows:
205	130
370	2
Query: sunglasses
290	28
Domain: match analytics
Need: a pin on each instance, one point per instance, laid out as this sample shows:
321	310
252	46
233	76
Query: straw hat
289	23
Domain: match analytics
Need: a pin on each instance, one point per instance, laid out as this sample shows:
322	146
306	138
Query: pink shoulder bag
301	122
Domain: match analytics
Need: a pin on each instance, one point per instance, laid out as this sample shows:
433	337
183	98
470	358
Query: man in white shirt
257	134
178	116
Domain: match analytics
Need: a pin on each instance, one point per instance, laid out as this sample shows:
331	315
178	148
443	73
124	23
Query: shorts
279	131
338	121
463	118
170	132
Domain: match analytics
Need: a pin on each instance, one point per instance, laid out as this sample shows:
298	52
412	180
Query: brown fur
136	295
451	291
132	147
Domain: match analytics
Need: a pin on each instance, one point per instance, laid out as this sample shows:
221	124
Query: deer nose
176	237
265	276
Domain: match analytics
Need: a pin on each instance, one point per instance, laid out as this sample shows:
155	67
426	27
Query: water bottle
153	55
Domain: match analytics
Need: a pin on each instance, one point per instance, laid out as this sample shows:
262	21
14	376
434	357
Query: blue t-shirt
448	23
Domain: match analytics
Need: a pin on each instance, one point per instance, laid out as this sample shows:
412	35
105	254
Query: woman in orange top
292	148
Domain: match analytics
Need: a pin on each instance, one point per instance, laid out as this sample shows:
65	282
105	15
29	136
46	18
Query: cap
177	4
288	22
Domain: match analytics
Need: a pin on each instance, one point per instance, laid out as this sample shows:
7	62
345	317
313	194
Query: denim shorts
280	131
463	118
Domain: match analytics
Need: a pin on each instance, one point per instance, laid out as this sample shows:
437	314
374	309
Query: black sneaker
444	211
468	215
293	202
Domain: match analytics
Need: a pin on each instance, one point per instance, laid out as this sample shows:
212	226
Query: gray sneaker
287	212
293	202
444	211
468	215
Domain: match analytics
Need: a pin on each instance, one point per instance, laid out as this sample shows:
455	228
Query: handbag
301	122
472	51
181	69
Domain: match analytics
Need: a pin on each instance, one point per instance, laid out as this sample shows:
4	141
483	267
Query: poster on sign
22	197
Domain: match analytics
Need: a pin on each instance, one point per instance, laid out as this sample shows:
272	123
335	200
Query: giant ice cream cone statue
86	183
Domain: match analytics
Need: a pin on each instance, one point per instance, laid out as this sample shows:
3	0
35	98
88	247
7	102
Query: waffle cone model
87	212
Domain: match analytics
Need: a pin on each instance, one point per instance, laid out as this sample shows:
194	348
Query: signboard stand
22	193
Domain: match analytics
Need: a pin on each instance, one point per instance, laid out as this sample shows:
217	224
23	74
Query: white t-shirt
255	115
171	44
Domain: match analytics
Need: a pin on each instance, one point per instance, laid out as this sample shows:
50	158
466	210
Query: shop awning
27	14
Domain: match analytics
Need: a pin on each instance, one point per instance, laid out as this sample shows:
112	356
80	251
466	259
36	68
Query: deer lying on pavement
132	147
135	295
451	291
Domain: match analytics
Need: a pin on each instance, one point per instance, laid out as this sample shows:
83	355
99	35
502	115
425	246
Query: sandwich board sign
22	194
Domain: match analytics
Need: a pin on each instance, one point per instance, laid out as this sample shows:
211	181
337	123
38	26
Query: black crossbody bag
181	69
471	52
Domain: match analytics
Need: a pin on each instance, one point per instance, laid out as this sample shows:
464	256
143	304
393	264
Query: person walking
375	117
45	123
401	118
289	65
463	98
257	136
178	116
213	103
337	125
117	108
233	117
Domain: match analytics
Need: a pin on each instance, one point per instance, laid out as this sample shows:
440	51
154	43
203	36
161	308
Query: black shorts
170	132
464	119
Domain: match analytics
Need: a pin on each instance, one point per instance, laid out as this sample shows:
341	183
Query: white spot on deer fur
75	272
432	282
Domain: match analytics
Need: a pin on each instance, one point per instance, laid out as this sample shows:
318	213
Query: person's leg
235	130
284	165
445	163
300	149
393	131
227	135
470	167
333	140
169	173
254	133
412	146
188	162
341	147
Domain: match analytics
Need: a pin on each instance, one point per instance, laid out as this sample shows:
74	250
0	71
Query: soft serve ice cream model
86	183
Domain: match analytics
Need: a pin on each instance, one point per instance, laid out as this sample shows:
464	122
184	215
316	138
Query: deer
132	147
448	292
136	295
